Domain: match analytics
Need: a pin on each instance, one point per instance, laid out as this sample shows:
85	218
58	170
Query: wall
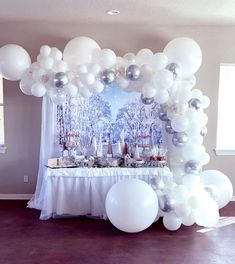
22	113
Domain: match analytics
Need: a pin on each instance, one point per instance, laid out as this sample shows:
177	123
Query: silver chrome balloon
146	100
168	127
192	167
157	183
60	79
133	72
162	113
174	68
203	132
179	139
107	77
166	203
195	103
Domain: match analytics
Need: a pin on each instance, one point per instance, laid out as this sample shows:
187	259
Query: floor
26	239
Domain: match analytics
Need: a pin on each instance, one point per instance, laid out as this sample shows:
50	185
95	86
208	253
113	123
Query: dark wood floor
26	239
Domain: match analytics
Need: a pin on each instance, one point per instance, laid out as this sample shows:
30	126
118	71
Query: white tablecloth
82	191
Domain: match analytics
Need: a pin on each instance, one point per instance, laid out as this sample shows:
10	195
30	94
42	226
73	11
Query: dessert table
82	191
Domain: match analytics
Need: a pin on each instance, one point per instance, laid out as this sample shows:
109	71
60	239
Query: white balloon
205	101
38	89
204	158
96	87
14	62
122	82
163	79
144	56
159	61
80	50
60	66
148	90
188	220
26	83
146	72
185	52
82	68
182	209
87	78
207	214
129	58
45	50
107	58
131	205
71	90
196	93
84	91
191	181
162	96
57	97
222	182
56	54
46	63
192	151
171	221
37	74
94	68
180	123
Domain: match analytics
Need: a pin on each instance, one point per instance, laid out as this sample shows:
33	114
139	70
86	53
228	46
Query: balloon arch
83	69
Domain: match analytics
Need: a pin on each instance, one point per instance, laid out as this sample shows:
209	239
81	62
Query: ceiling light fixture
113	12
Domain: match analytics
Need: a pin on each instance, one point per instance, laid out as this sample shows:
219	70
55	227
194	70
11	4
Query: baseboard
16	196
28	196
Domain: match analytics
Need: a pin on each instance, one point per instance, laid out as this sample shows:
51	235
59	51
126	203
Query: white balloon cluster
166	77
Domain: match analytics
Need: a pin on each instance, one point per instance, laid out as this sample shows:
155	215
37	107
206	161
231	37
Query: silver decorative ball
146	100
133	72
166	203
107	77
60	79
192	167
179	139
174	68
169	128
195	103
203	132
162	113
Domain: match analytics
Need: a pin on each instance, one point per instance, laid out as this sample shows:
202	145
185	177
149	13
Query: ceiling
160	12
141	23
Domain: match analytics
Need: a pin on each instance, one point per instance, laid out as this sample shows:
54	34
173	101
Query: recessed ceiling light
113	12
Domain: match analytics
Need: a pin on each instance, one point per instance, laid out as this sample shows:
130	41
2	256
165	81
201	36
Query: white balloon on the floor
131	205
222	182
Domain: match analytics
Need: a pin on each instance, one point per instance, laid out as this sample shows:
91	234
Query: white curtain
48	147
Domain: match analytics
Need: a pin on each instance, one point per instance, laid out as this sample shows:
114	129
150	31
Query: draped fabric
48	147
82	191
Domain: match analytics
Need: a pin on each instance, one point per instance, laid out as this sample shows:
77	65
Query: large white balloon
80	50
185	52
131	205
222	182
14	62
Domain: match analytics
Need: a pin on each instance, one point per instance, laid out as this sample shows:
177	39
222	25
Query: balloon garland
83	69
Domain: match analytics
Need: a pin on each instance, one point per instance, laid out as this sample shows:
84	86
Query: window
225	144
2	138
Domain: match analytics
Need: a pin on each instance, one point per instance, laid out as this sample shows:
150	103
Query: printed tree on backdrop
137	121
97	115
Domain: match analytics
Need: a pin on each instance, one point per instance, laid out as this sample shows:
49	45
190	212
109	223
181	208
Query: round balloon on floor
131	205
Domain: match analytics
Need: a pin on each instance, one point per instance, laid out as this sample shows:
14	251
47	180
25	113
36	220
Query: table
82	191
